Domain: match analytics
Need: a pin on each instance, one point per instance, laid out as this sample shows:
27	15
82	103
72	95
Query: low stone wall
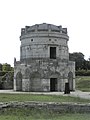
59	107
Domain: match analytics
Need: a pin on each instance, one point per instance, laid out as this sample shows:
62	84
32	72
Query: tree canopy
80	62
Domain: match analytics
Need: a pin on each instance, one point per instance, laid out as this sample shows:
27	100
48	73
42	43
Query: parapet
43	27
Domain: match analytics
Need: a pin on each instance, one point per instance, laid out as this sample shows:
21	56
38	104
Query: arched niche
54	75
35	79
19	81
70	80
27	73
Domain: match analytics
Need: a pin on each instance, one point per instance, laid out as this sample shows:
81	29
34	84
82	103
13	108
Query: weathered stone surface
60	107
44	60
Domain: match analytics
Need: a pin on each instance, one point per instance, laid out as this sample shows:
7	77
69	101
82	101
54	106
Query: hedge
82	73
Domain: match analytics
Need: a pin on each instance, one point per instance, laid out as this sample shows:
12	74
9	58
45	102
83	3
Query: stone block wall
44	56
58	107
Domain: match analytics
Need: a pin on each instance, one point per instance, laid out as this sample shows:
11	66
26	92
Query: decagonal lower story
44	60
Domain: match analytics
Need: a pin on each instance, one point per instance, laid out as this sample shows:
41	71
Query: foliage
82	73
6	67
76	55
2	73
0	67
6	74
80	62
78	58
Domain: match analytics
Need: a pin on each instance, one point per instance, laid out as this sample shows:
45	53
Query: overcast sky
16	14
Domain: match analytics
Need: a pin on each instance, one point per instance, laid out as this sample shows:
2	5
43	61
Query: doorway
53	84
52	52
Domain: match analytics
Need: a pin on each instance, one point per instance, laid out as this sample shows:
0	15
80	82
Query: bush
2	73
82	73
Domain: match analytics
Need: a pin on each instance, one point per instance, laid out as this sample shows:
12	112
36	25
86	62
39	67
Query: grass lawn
6	97
34	114
83	83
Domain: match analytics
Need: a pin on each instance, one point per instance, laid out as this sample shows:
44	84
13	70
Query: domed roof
44	27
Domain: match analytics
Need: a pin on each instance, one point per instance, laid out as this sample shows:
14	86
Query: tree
6	67
78	57
0	67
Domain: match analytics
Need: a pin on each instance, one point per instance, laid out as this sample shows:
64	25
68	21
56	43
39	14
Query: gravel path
77	93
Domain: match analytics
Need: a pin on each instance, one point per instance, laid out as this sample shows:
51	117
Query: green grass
35	114
6	97
83	83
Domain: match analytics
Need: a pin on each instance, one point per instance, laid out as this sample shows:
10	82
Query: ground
77	93
34	114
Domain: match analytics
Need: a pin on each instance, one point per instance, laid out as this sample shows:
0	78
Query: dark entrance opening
52	52
53	84
67	90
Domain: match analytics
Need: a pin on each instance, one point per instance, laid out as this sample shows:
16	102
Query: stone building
44	60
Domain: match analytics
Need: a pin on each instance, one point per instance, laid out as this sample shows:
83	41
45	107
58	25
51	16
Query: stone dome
43	27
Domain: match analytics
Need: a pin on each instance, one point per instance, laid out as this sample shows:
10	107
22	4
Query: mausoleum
44	59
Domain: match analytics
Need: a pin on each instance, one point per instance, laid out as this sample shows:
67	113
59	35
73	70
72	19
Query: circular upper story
42	40
31	33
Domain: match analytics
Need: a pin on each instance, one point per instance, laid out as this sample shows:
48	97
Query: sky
16	14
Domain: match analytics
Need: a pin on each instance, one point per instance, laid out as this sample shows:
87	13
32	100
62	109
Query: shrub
82	73
2	73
